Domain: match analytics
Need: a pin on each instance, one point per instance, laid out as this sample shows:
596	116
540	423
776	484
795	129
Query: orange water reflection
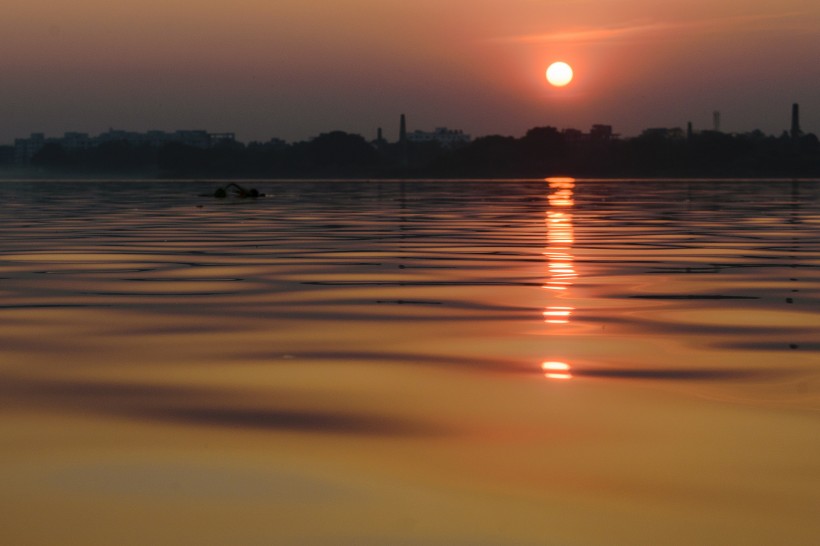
358	354
560	261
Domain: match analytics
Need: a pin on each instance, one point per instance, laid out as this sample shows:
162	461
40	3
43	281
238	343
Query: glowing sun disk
559	74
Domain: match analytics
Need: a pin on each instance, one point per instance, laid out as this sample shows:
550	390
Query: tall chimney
795	121
403	143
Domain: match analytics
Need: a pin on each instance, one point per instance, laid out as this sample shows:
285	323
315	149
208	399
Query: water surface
462	362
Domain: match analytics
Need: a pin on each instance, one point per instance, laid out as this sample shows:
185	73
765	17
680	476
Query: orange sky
293	69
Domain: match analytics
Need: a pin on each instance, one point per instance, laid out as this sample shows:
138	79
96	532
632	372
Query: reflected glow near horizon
556	370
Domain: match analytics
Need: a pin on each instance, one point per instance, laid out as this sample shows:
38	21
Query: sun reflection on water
556	370
560	261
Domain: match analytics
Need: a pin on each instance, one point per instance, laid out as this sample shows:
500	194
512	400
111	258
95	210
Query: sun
559	74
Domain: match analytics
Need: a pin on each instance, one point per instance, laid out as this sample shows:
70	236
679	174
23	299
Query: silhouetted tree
177	159
337	151
121	156
543	150
52	155
491	156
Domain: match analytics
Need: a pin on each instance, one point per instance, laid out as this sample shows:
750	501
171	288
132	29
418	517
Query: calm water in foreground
448	363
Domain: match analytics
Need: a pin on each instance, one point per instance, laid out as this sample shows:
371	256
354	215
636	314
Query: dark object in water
236	191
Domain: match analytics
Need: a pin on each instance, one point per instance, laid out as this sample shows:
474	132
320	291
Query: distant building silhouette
601	132
380	143
444	136
403	142
573	135
6	155
665	133
716	121
26	148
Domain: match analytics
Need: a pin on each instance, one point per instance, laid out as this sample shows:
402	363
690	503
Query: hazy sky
296	68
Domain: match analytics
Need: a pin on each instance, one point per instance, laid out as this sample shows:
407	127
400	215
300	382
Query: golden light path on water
410	362
562	272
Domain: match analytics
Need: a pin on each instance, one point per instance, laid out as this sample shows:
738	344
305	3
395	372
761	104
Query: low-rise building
601	132
6	155
674	133
444	136
26	148
76	141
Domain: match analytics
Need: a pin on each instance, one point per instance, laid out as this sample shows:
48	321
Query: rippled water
495	362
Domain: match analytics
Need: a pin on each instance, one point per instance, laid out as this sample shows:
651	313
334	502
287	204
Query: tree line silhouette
542	151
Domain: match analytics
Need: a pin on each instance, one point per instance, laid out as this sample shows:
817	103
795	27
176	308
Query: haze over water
441	362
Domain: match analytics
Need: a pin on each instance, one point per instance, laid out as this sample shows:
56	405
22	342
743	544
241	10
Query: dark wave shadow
691	297
649	325
423	283
770	346
473	363
323	422
676	374
214	408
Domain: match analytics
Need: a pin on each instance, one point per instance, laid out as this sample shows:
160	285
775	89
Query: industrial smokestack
796	132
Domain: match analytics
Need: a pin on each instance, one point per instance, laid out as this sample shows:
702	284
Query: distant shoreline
4	177
657	153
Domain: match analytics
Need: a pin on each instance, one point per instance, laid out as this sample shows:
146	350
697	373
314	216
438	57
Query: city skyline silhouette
448	153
